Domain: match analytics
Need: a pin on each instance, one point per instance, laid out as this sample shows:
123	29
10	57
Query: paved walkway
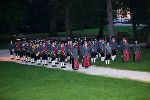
93	70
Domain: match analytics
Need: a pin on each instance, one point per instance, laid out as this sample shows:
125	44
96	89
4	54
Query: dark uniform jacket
136	47
86	51
113	45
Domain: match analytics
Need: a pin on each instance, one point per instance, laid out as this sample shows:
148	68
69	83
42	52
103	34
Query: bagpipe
61	53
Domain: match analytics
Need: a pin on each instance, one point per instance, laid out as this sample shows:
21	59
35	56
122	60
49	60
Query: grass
6	36
88	32
23	82
3	45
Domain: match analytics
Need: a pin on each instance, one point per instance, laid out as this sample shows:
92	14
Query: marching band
58	51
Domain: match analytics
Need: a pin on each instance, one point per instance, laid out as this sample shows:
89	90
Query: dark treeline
38	16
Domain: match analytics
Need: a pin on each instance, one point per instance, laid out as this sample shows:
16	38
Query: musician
41	48
98	47
75	62
137	51
93	51
62	55
57	46
70	51
86	55
30	50
48	47
102	50
126	51
21	50
33	54
27	52
121	45
17	50
53	53
44	54
113	48
37	52
81	48
11	49
66	52
108	52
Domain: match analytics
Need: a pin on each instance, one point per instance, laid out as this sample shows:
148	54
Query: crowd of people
44	51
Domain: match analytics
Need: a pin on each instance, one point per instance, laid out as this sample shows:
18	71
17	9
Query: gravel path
93	70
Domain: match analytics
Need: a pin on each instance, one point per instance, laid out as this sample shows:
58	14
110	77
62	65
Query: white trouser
53	62
107	62
102	58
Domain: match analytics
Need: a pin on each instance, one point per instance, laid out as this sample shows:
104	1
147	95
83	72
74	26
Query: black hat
112	37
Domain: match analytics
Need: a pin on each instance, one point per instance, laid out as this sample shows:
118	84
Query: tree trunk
133	13
110	18
53	29
134	27
67	20
148	24
101	28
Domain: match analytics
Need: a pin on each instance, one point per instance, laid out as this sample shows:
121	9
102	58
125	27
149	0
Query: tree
68	4
110	18
148	24
52	9
11	15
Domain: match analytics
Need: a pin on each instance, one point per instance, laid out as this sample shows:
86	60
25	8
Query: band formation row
55	51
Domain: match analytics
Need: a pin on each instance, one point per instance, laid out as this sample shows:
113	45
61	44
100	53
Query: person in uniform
137	51
11	49
70	51
44	54
93	51
66	52
26	47
62	55
113	48
37	52
57	46
98	47
102	50
21	50
30	50
75	62
108	52
126	51
86	56
121	45
48	45
53	54
33	54
41	48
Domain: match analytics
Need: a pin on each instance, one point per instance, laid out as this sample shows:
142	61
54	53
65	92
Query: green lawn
88	32
4	45
23	82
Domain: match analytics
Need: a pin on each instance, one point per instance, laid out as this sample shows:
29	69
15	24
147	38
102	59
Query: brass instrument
28	50
38	53
17	44
17	47
59	52
23	47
